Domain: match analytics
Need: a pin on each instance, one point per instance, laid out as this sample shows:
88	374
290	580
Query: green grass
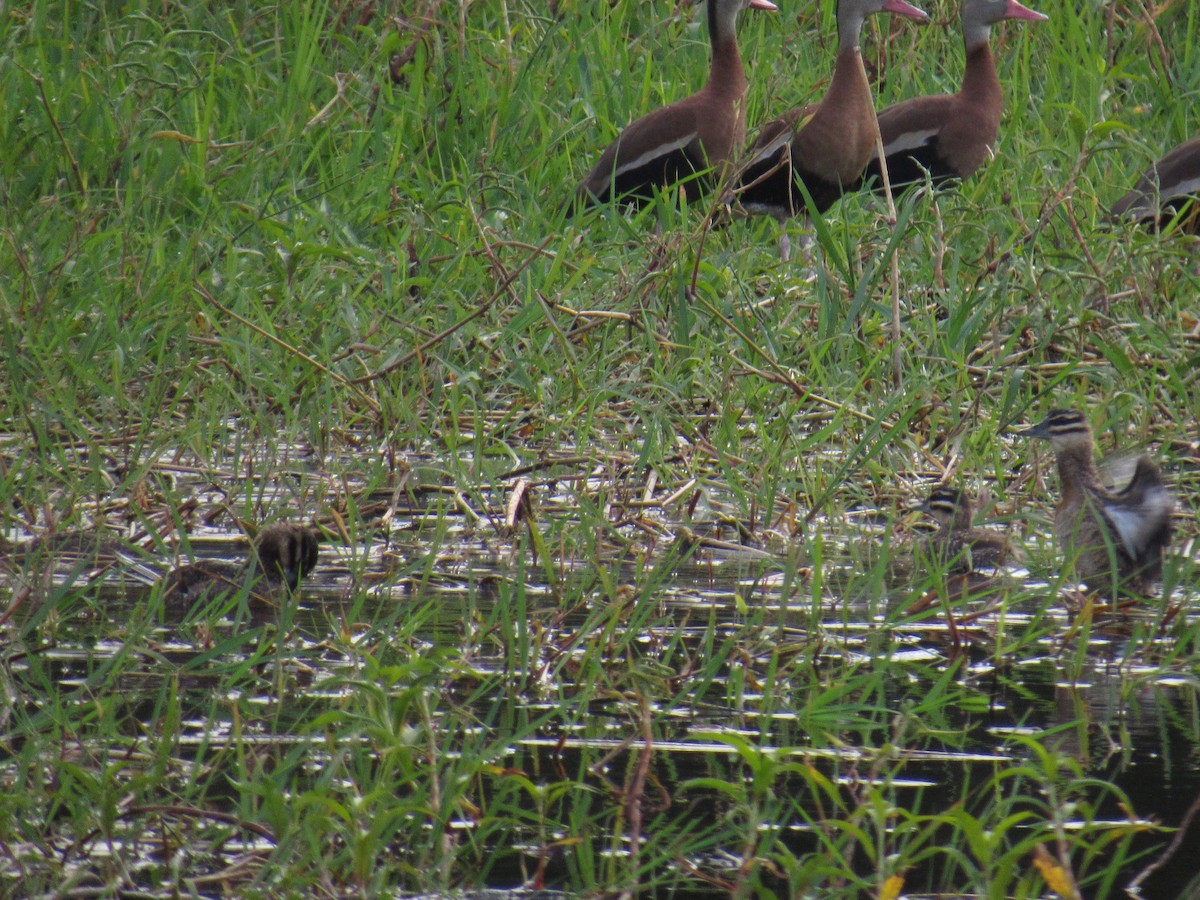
250	276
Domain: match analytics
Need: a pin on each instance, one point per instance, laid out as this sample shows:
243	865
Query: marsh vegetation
615	590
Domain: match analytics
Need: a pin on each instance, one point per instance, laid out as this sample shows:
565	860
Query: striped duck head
950	507
1067	430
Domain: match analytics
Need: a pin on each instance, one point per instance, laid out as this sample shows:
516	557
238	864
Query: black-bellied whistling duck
695	135
825	146
283	554
1115	539
951	135
1163	190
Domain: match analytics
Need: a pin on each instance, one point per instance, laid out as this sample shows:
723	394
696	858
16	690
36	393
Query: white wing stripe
772	148
1128	523
654	153
1135	524
910	140
1181	188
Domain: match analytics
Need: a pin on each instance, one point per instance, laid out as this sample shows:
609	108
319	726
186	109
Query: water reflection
753	645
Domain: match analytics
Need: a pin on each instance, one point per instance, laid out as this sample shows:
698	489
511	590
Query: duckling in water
960	557
1116	538
283	554
958	546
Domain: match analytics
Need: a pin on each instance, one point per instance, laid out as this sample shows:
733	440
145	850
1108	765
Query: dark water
1133	724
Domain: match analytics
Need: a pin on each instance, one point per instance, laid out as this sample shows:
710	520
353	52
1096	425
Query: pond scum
621	588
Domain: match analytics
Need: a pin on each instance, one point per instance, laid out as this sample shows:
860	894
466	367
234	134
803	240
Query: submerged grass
308	260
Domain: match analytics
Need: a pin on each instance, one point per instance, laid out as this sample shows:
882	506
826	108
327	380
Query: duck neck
981	84
1076	470
850	21
849	92
976	29
961	521
726	75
